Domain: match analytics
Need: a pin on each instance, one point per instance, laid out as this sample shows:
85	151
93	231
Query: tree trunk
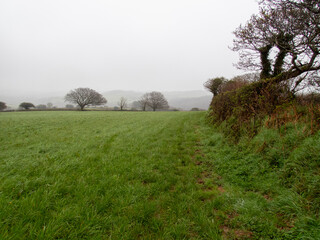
265	62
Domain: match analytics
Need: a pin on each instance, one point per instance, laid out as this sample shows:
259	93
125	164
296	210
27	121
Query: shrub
246	105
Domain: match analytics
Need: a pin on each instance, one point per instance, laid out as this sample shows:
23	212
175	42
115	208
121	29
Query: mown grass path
104	175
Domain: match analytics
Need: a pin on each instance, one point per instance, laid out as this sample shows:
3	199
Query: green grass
152	175
272	180
101	175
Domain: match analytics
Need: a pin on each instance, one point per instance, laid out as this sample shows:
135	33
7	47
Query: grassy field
101	175
145	175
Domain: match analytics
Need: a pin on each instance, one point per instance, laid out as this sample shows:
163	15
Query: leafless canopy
157	101
123	103
26	105
85	97
282	41
2	106
49	105
143	101
41	106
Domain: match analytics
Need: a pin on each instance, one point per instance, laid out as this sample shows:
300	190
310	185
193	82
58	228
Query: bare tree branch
286	36
84	97
143	101
157	101
123	103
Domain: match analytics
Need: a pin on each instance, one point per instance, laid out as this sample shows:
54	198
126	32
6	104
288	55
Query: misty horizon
56	46
184	100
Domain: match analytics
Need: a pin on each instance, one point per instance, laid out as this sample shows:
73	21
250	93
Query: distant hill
184	100
188	103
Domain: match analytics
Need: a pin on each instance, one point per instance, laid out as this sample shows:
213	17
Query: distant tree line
149	101
83	97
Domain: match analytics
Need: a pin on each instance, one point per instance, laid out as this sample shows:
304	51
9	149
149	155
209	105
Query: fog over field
50	47
124	119
184	100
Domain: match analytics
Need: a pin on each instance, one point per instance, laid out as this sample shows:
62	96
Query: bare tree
312	6
143	101
2	106
41	106
26	105
157	101
69	106
49	105
85	97
282	41
122	103
247	77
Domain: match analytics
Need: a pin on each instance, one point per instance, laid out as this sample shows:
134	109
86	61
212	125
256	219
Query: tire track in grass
200	160
211	187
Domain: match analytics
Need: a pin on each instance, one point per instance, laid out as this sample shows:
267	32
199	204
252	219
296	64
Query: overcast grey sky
167	45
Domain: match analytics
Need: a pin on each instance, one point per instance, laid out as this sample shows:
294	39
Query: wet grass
101	175
153	175
271	183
